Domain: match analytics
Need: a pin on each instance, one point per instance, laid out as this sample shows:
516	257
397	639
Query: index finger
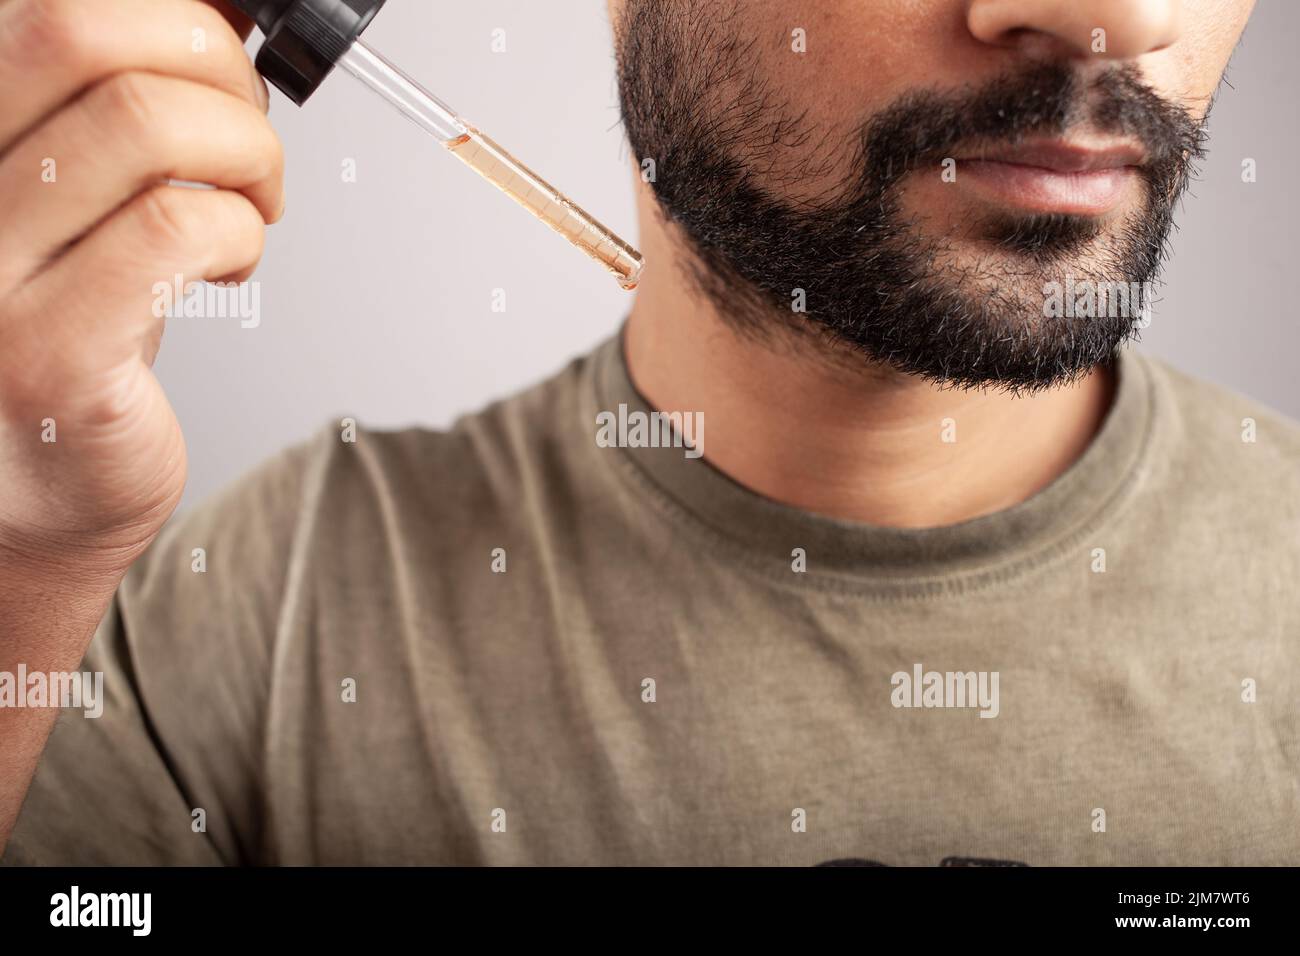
51	50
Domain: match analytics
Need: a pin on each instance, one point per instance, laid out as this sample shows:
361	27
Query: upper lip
1065	157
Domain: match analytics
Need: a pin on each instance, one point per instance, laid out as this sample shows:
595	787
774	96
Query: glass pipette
306	39
493	163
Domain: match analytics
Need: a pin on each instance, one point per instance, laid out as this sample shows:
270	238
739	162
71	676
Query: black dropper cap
305	38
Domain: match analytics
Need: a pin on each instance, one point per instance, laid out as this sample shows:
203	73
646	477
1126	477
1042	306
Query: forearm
48	615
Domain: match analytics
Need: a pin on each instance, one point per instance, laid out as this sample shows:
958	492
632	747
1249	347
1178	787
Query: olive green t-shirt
510	643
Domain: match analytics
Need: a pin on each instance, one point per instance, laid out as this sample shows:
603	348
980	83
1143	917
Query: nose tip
1108	29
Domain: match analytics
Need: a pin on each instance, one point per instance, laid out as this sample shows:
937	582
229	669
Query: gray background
376	296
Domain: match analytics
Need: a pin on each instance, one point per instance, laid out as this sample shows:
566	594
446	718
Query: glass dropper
494	164
306	39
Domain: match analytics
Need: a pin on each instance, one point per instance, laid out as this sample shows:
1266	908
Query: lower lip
1038	189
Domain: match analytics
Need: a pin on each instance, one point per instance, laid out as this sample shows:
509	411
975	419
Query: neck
861	444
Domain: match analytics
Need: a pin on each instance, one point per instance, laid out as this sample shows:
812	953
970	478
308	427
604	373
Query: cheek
1189	72
836	63
860	56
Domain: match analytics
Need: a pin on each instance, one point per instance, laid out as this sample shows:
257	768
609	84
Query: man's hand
101	103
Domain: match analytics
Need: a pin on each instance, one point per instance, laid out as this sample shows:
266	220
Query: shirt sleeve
170	772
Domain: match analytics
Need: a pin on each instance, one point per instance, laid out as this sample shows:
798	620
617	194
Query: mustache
729	142
924	127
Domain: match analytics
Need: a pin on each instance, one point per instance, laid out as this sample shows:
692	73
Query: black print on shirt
946	861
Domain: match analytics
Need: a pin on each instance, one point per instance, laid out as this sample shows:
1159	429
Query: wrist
53	562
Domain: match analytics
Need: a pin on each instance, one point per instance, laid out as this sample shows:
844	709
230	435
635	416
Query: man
949	576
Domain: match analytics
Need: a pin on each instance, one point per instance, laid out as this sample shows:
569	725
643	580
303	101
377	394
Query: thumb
242	24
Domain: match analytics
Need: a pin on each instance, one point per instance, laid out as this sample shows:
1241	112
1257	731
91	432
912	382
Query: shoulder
239	537
1227	428
350	472
486	465
1229	460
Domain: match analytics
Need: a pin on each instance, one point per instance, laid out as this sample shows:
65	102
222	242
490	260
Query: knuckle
129	104
52	30
167	218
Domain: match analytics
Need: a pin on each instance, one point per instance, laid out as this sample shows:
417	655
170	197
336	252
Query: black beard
871	280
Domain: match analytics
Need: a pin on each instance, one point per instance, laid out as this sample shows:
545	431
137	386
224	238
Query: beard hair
874	285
